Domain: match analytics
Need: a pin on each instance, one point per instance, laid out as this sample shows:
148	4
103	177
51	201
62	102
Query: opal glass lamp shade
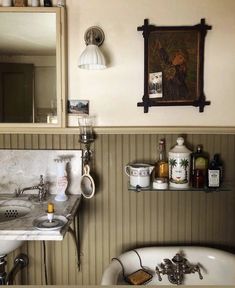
92	58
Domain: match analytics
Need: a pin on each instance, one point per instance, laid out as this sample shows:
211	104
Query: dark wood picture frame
174	65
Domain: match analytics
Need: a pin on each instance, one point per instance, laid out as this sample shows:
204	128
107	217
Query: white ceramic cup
139	174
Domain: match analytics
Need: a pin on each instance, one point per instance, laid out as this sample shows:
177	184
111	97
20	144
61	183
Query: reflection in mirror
28	70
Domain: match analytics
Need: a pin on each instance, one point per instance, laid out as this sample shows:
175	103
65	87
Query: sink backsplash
22	168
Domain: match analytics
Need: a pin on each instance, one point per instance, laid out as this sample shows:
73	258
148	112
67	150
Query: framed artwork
78	106
174	65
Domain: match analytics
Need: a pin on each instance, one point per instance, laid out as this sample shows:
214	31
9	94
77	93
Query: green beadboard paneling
116	219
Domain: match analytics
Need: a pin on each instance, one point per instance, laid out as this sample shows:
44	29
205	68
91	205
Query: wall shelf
133	130
225	187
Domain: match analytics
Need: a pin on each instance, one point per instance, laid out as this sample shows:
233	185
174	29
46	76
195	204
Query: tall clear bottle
161	165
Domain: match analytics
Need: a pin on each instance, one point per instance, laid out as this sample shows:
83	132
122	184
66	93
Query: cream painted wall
113	93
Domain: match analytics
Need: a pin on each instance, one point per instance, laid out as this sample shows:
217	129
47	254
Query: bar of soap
139	277
50	208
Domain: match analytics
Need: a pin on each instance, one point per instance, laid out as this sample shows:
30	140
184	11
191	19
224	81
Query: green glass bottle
199	166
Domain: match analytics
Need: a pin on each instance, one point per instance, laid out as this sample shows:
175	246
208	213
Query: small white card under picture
155	85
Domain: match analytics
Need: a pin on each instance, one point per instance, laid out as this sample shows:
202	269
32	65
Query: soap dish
42	223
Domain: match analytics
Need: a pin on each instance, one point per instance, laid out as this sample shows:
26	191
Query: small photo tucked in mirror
78	106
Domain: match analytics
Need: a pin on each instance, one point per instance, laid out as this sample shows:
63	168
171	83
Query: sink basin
13	209
7	246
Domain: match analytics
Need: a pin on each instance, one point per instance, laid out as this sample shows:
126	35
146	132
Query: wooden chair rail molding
125	130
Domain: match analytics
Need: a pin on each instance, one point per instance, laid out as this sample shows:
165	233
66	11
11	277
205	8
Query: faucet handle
197	269
17	192
43	189
167	263
41	180
158	272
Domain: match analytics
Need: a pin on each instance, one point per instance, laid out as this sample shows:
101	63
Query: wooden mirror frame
61	78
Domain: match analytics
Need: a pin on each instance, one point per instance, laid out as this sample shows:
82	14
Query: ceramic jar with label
179	165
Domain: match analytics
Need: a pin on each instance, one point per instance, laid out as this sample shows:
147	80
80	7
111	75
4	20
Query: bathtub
216	266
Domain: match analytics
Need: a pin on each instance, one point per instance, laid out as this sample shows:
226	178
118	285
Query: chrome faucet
176	269
41	187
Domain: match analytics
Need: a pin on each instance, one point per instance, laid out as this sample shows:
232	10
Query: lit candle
50	208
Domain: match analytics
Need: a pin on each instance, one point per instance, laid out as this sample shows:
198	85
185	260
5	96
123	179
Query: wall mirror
32	81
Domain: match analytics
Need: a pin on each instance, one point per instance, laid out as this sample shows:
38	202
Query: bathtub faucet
176	269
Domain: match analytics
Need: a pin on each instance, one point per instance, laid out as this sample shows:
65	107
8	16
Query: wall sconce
92	58
86	136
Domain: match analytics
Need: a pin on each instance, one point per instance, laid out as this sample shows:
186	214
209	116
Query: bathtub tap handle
167	264
197	269
158	272
176	269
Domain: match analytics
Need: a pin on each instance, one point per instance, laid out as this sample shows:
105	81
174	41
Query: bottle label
213	178
200	163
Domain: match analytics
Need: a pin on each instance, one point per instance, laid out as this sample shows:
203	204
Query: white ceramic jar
6	3
139	174
35	3
179	165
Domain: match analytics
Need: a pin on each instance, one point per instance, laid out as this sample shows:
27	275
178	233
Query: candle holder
50	217
86	136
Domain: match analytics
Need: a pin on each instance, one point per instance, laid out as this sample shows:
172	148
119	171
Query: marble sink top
22	228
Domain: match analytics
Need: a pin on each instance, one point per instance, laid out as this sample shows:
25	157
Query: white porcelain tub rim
219	264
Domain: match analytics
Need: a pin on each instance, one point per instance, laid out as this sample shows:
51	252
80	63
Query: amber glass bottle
20	3
161	165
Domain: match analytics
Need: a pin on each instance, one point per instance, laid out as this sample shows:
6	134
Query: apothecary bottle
220	165
20	3
47	3
161	165
179	165
213	175
199	162
198	179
